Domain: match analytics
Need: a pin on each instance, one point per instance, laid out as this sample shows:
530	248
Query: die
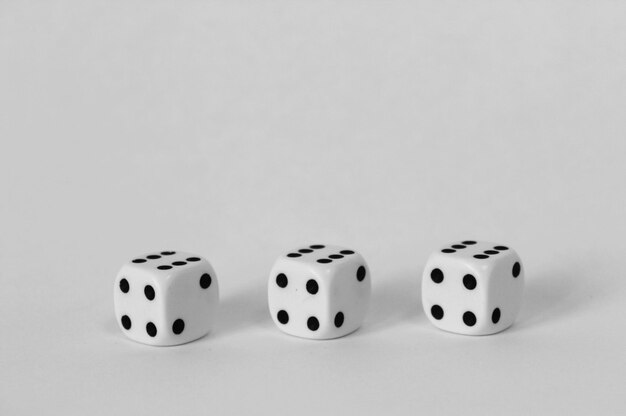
473	287
319	291
166	298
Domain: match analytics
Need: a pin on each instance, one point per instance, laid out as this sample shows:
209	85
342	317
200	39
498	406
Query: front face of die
473	287
166	298
319	291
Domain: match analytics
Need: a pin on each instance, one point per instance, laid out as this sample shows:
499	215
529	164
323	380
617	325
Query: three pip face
318	291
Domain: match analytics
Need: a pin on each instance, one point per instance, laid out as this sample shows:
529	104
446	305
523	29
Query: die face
295	305
506	289
350	293
166	300
471	290
192	298
315	255
319	300
453	289
138	314
473	250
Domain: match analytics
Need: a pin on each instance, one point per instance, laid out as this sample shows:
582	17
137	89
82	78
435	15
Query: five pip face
318	291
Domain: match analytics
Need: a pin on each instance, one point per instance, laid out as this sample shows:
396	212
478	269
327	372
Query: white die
473	287
319	291
166	298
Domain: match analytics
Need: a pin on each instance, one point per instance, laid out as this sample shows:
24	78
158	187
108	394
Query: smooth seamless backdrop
240	129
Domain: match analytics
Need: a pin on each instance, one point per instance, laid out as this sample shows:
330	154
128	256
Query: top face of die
482	253
322	257
163	263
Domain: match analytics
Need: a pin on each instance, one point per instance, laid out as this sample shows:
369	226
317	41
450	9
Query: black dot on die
317	246
281	280
517	268
126	322
178	326
469	282
347	252
149	292
437	312
139	261
481	256
360	273
312	323
282	316
294	255
491	252
501	248
469	242
495	316
305	250
335	256
153	256
312	287
436	275
168	253
448	250
193	259
469	318
151	329
164	267
179	263
458	246
324	261
339	319
205	281
124	286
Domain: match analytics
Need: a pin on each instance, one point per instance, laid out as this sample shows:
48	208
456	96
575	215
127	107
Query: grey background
238	129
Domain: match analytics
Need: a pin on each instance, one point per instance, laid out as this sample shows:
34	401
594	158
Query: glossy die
473	287
319	291
166	298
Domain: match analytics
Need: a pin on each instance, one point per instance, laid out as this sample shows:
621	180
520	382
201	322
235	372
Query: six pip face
319	291
473	287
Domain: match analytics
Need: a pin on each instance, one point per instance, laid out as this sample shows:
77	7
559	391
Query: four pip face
318	291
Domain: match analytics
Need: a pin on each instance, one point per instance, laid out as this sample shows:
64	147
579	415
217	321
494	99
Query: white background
240	129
